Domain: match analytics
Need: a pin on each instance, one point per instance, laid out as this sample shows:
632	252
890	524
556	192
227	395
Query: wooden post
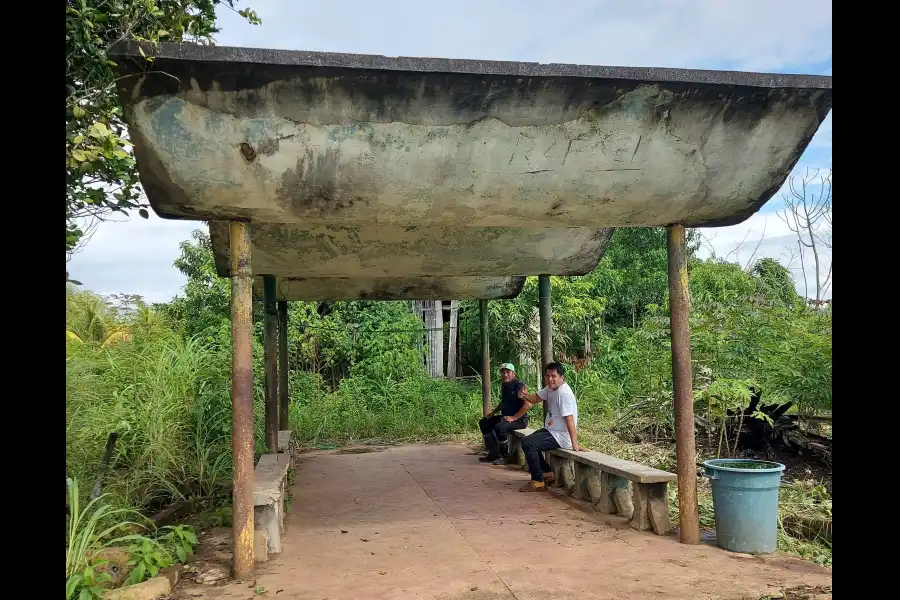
485	359
242	399
283	397
270	343
685	449
545	312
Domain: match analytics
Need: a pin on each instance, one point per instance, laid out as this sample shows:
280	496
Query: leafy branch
101	173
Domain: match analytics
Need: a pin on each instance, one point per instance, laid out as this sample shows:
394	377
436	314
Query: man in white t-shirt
560	427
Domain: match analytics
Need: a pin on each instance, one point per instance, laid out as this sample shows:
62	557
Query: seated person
560	426
496	427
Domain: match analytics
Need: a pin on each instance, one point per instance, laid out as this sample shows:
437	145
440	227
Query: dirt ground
430	521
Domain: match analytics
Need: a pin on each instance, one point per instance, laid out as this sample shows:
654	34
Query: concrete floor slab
430	521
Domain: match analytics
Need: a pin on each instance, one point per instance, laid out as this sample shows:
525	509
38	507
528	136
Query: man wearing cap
496	426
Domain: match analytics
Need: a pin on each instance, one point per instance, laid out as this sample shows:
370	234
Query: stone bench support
287	444
269	489
604	480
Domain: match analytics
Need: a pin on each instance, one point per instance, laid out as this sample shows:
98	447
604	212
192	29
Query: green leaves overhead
101	174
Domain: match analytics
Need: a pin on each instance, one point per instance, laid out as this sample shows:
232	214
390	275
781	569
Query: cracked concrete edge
229	55
153	588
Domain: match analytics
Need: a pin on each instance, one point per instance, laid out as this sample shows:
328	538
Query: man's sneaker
549	478
488	458
533	486
501	461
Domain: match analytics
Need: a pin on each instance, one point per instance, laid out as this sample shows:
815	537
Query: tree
89	318
774	282
101	175
633	273
205	306
807	213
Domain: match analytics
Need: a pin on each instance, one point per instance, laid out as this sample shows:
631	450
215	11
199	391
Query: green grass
167	400
413	409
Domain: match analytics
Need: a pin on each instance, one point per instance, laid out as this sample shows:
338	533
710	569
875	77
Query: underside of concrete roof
380	251
393	288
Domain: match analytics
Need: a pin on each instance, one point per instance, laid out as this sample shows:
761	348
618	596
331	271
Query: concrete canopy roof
368	168
304	137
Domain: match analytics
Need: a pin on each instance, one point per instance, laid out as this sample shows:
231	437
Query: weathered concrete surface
398	288
304	137
431	522
153	588
379	251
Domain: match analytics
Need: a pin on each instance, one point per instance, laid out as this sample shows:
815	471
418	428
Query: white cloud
767	35
135	257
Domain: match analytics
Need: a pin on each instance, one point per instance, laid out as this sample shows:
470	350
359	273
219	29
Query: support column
283	397
685	449
270	343
545	311
485	359
242	399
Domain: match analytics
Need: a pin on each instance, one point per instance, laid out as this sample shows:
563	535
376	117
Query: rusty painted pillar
545	312
283	398
685	448
270	344
485	359
242	399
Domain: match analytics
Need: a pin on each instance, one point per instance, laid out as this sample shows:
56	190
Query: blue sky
781	36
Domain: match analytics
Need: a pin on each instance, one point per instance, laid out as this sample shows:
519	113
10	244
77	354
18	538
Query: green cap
508	366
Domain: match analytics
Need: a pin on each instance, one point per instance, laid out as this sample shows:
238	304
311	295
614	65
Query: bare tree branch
762	237
737	248
807	214
707	241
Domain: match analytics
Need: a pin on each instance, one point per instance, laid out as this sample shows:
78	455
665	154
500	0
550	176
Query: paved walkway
430	521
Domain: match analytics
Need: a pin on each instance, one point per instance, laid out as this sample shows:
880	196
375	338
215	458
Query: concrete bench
604	480
269	488
287	443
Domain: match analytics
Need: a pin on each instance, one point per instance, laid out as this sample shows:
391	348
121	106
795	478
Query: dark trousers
534	447
499	427
496	431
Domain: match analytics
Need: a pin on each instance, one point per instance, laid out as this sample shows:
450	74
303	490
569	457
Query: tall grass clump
167	398
386	397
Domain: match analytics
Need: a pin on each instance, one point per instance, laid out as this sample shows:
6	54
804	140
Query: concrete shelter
368	168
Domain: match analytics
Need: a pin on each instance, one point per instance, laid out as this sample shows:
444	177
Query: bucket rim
710	464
